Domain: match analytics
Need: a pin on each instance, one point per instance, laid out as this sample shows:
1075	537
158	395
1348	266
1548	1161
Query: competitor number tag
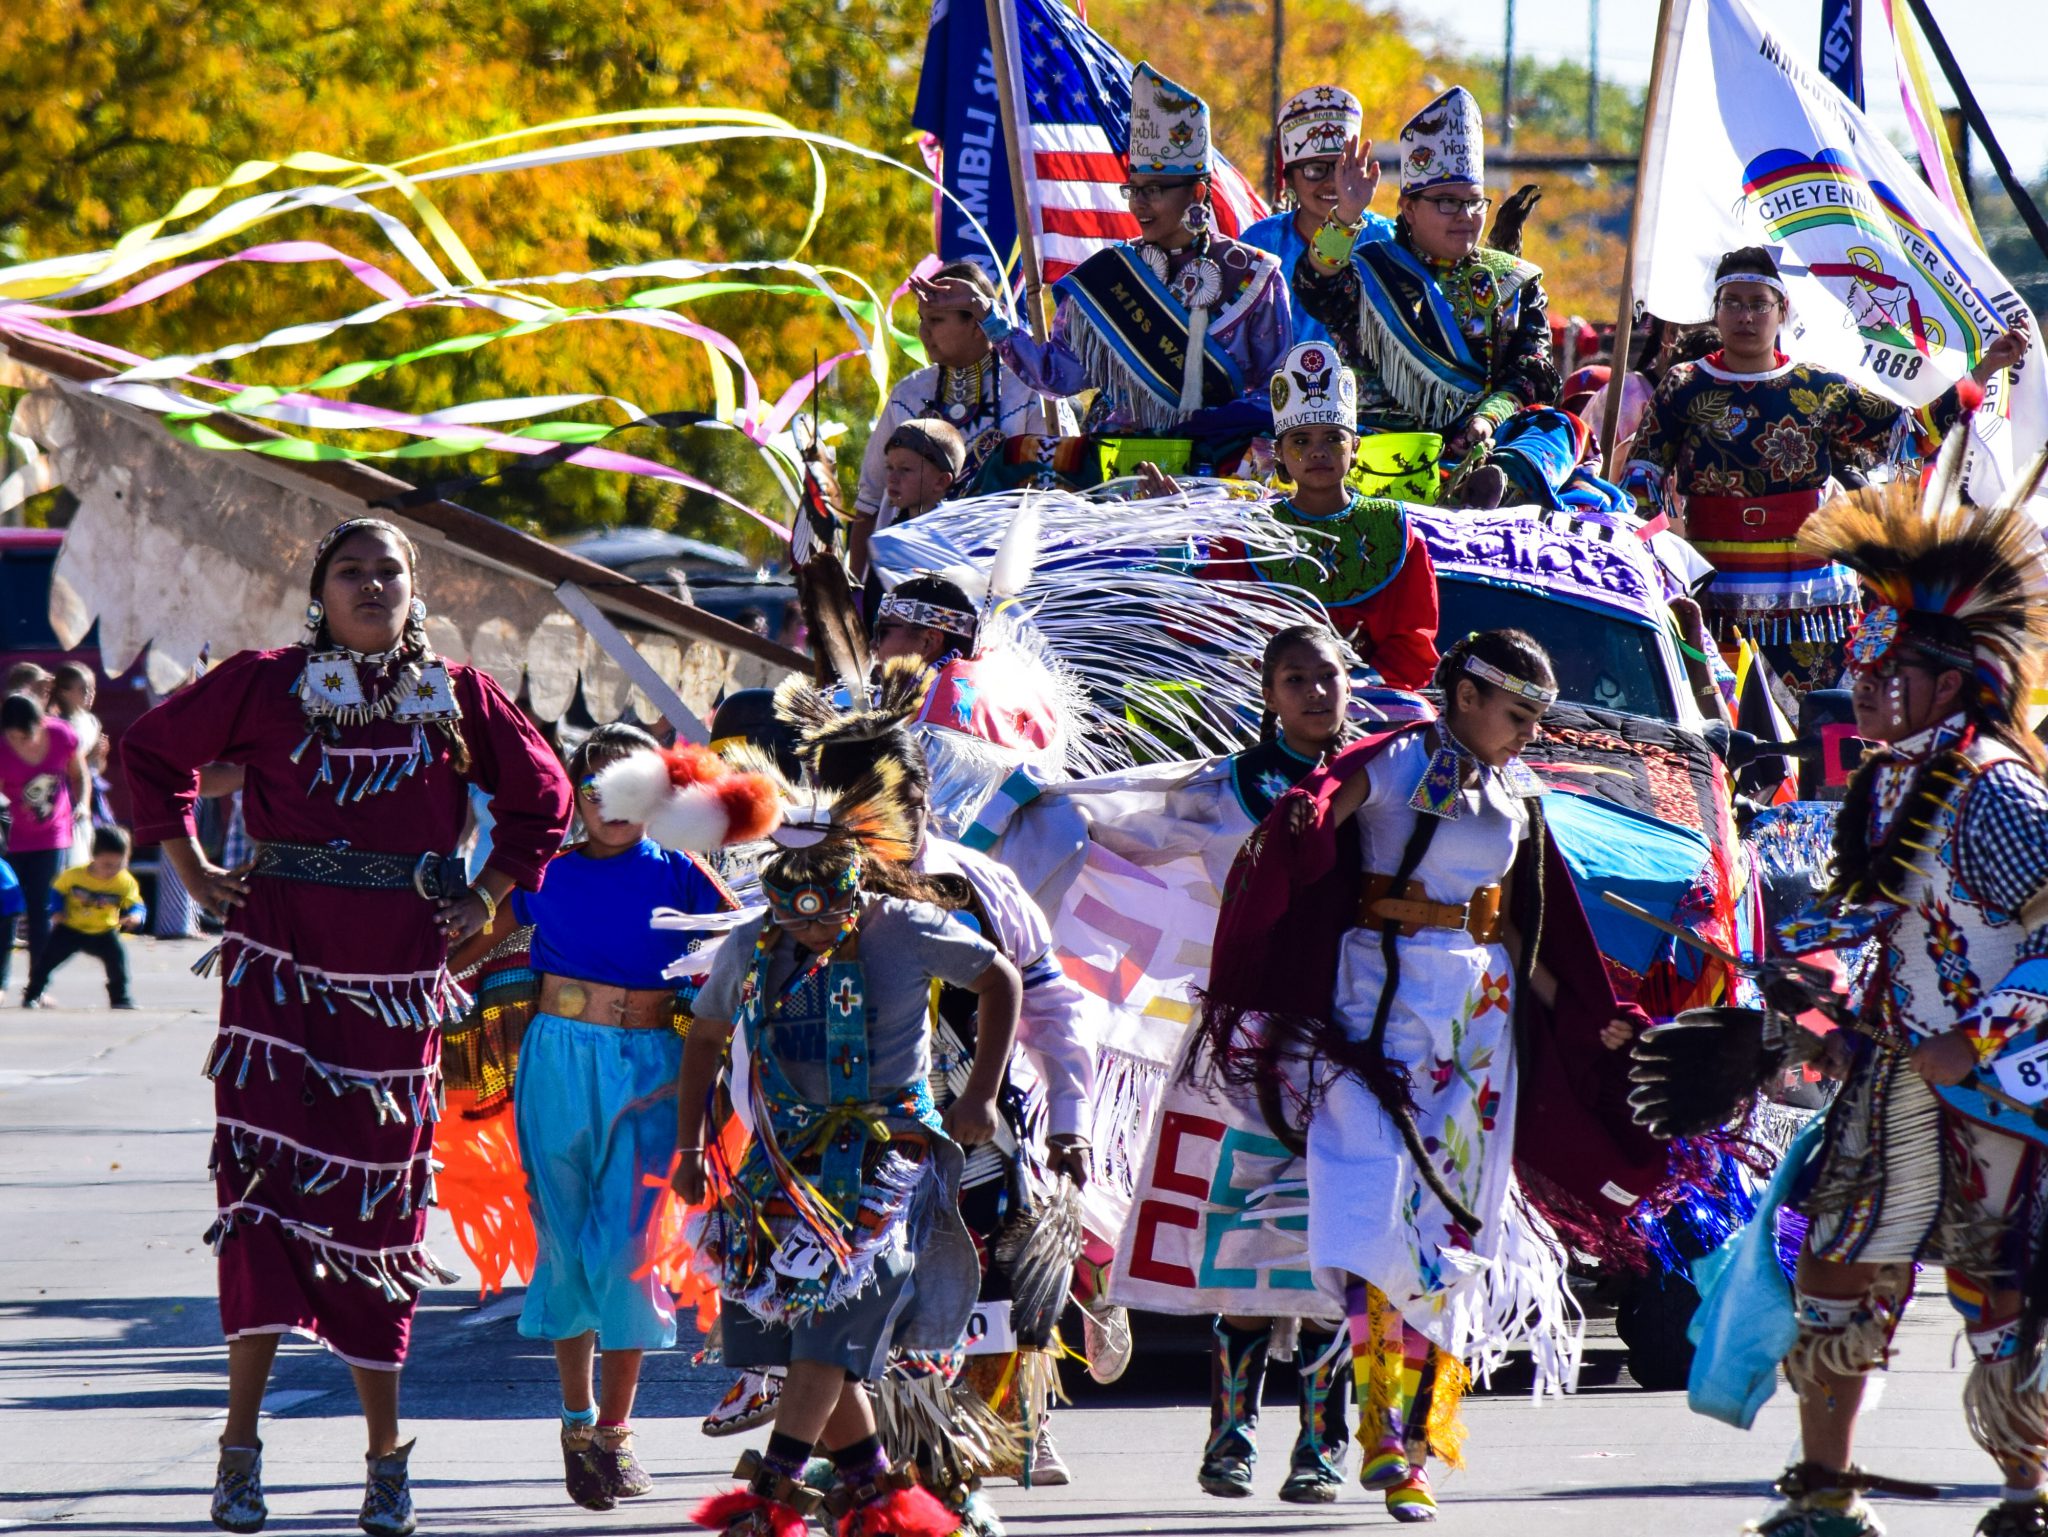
989	1330
2024	1075
800	1256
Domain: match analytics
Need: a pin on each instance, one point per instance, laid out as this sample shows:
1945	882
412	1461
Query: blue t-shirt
1276	234
591	916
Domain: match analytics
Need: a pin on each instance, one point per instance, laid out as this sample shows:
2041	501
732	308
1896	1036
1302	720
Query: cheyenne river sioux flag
1886	283
1073	92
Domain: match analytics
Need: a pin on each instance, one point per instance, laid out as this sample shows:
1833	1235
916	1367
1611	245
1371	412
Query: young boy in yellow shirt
92	903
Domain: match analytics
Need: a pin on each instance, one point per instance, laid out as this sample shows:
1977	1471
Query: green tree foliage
116	107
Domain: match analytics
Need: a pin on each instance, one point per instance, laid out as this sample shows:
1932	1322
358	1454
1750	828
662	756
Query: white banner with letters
1886	284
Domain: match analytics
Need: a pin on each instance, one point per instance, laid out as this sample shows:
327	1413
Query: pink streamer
793	398
1916	121
387	287
369	275
779	415
387	420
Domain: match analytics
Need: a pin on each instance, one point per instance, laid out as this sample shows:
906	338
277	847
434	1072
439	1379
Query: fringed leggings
2006	1399
1846	1336
1408	1391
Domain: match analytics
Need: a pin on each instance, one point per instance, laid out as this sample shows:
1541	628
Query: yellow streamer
1916	73
56	274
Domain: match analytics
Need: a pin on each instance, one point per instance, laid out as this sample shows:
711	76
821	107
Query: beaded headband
927	616
810	899
1764	278
1509	681
348	526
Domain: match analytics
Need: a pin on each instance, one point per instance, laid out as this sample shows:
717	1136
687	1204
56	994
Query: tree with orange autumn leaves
116	108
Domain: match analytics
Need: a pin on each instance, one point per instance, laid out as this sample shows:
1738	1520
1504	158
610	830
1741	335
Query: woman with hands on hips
357	748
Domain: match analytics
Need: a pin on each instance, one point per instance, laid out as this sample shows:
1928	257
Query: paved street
114	1392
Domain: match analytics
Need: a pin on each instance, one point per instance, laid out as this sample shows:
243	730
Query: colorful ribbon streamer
462	429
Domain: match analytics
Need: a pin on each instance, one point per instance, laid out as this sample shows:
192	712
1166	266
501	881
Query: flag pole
1973	114
1670	16
999	18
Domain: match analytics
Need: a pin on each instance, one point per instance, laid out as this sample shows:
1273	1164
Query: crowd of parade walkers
850	1055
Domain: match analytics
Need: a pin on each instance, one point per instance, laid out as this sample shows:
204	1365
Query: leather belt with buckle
1414	911
599	1003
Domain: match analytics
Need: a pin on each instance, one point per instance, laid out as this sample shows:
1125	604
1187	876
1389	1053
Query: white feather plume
1945	486
691	818
2028	485
632	788
1017	555
637	788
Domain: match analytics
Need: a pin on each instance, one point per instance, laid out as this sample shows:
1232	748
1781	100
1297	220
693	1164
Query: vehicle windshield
1601	660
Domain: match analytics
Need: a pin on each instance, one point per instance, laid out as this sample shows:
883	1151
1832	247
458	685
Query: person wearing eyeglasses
1740	447
1446	335
1178	330
1313	130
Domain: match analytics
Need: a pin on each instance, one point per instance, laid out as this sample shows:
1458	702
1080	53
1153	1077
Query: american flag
1073	94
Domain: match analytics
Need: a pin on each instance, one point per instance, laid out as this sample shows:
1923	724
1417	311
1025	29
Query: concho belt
432	876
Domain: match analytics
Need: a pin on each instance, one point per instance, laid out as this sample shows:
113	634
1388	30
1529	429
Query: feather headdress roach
1964	586
825	731
831	844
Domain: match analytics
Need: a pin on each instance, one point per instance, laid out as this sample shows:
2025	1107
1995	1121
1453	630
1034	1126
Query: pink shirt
39	794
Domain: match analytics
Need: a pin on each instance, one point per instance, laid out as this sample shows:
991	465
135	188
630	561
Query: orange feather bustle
692	765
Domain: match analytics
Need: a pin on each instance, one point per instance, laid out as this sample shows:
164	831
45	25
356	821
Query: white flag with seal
1886	285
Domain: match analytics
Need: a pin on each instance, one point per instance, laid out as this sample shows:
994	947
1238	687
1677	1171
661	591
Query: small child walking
594	1100
91	904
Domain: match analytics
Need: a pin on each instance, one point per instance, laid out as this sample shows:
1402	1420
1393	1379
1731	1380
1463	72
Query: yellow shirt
92	905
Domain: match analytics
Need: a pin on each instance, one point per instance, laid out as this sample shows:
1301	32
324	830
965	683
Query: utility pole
1274	97
1507	84
1592	75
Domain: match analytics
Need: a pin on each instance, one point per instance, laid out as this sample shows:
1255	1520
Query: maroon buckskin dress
327	1066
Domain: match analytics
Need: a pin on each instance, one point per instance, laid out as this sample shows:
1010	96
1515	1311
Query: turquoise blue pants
596	1111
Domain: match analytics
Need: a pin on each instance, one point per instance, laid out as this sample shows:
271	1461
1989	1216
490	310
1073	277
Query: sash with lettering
1413	331
1130	328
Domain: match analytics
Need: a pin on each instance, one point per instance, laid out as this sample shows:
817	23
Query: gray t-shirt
903	945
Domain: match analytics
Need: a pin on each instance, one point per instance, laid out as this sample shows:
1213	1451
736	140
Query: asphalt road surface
111	1366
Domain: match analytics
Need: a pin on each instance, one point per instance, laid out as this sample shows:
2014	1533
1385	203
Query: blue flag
957	104
1841	46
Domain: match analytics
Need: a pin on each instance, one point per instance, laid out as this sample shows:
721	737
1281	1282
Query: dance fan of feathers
1702	1070
1037	1250
1114	597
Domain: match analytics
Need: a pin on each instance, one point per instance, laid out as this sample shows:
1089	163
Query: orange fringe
669	1256
482	1187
